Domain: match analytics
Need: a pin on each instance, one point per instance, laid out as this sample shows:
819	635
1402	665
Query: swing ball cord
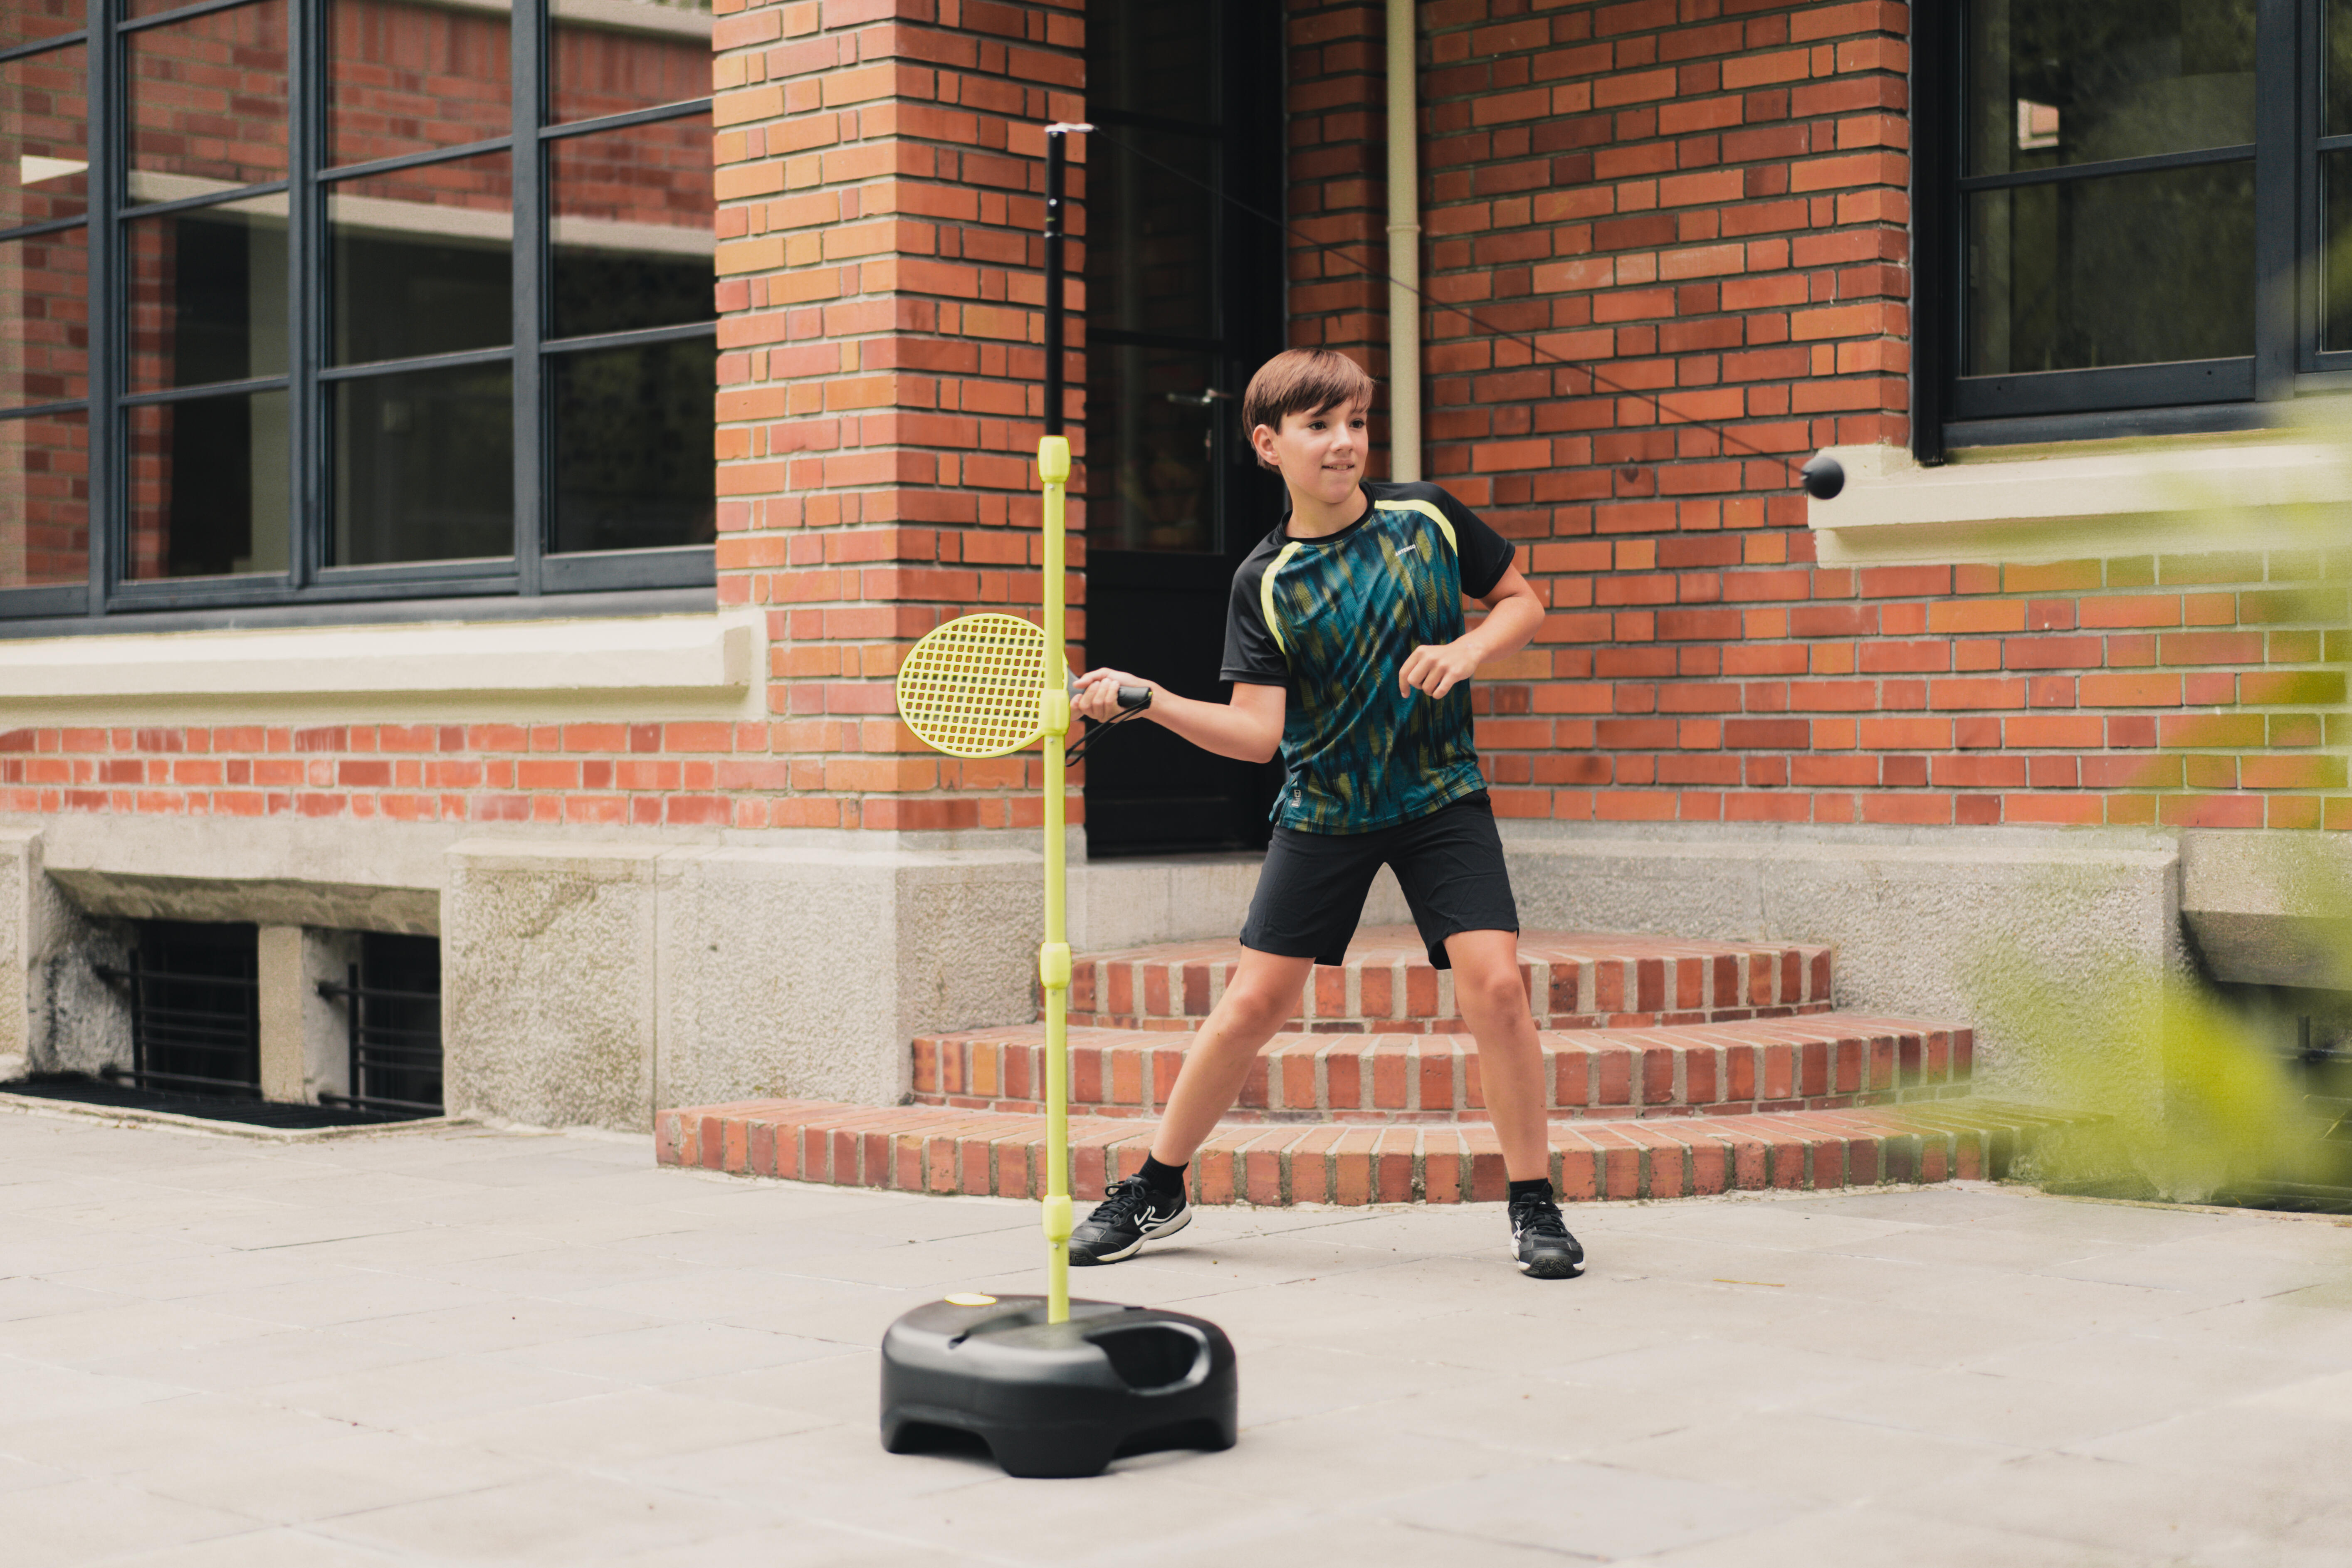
1127	710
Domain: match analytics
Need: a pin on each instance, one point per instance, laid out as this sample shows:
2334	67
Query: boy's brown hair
1302	381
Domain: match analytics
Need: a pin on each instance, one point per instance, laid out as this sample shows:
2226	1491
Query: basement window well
292	1027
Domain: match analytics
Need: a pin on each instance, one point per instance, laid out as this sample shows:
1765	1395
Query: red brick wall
1705	202
880	191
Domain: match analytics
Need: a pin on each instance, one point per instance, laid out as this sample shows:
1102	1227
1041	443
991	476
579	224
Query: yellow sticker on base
971	1298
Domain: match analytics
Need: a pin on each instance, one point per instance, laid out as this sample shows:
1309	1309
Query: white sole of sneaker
1542	1268
1154	1232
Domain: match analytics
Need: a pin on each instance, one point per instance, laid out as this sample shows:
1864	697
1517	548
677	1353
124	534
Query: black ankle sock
1537	1186
1169	1179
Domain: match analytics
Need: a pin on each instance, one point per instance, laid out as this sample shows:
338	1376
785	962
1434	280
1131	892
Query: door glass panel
45	136
207	487
1155	59
207	296
2128	269
609	56
631	220
45	500
1151	235
410	78
2053	82
207	102
1152	449
422	259
44	318
632	446
424	466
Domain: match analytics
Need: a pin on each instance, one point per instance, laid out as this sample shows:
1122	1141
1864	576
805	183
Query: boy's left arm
1513	614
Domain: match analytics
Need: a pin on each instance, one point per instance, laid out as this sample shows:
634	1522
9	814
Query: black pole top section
1056	163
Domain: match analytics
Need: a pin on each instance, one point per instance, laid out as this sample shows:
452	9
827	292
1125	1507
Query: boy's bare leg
1494	1001
1260	996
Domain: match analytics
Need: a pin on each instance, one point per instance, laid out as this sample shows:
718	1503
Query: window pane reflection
2132	270
207	107
44	499
45	318
608	57
1151	462
30	21
424	466
207	487
2074	81
45	137
423	260
408	78
207	298
631	224
2336	260
633	427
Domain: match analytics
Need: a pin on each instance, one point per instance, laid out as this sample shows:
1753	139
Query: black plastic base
1055	1399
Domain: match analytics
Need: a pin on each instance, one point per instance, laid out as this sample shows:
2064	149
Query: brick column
881	173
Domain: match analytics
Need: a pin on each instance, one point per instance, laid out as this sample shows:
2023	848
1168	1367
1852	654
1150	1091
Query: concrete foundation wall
1992	927
594	980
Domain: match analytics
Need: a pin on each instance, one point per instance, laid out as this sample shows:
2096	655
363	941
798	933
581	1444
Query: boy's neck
1312	518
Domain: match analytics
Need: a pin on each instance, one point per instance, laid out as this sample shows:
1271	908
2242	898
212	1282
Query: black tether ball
1823	477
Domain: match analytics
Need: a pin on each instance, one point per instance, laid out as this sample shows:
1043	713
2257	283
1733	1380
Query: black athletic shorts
1449	863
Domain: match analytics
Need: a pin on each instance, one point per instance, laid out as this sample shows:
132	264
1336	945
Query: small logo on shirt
1411	548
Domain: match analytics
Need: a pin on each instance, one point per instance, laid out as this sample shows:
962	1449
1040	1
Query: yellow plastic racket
970	688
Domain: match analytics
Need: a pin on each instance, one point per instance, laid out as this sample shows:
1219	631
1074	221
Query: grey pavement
474	1346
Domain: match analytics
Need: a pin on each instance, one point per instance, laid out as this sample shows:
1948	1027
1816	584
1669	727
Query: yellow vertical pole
1054	957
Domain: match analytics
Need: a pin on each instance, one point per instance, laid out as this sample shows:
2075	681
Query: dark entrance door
1183	302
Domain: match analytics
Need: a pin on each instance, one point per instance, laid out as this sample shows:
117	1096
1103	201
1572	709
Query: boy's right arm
1249	727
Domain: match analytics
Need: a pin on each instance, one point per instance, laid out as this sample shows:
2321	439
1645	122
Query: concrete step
928	1149
1575	980
1820	1062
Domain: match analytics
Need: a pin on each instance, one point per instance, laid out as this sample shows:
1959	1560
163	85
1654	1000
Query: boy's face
1321	454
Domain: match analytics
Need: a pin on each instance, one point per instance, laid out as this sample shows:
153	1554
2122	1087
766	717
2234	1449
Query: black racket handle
1132	697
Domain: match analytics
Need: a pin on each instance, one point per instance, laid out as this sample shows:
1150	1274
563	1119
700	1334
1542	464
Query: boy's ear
1262	442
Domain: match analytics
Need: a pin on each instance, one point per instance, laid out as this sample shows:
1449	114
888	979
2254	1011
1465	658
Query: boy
1346	647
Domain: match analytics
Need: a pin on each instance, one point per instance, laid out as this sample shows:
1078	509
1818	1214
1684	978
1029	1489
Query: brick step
1575	980
926	1149
1821	1061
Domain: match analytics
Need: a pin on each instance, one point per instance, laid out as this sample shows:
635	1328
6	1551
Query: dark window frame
310	589
1949	410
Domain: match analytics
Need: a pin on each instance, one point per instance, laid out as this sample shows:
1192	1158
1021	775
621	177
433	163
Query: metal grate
195	1024
392	999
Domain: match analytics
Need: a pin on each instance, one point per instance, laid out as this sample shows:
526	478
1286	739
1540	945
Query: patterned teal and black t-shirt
1332	620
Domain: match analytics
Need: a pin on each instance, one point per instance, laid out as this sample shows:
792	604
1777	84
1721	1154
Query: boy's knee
1489	988
1256	1005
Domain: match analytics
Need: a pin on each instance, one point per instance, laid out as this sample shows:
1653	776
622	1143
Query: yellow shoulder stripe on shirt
1429	511
1265	593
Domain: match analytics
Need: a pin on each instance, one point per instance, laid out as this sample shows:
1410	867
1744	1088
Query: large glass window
2148	207
352	299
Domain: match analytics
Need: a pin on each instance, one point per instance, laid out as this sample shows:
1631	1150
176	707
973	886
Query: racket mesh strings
970	688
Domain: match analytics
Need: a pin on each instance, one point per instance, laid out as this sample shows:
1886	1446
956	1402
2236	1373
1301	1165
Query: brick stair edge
940	1151
1001	1070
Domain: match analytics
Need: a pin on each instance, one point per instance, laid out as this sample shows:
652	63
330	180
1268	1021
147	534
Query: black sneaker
1539	1239
1132	1212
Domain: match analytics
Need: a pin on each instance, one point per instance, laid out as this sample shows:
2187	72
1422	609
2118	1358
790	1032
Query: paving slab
475	1346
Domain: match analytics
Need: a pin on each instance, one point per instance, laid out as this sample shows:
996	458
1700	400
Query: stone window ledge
2028	504
686	653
